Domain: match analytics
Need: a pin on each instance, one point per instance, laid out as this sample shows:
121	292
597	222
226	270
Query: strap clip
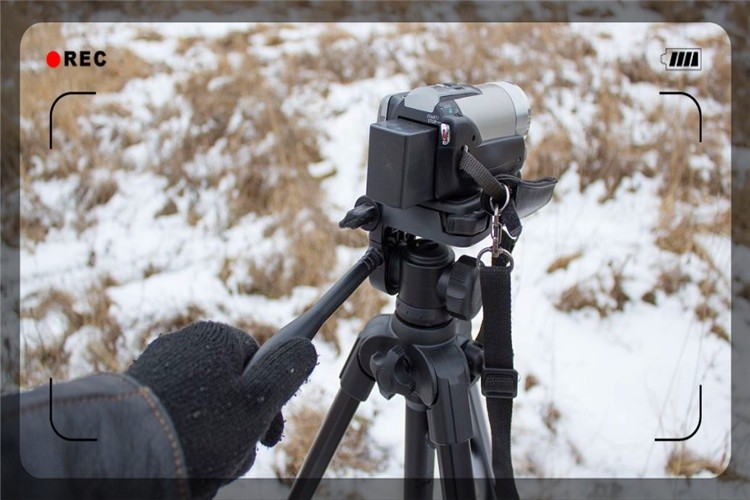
497	228
500	383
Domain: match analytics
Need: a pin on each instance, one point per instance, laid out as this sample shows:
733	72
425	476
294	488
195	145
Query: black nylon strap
482	176
511	220
499	379
493	188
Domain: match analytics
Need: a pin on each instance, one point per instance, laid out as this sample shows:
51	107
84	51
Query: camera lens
520	103
501	110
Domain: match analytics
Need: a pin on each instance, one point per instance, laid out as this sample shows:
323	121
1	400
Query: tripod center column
423	282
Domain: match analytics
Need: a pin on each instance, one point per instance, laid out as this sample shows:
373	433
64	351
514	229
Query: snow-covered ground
599	385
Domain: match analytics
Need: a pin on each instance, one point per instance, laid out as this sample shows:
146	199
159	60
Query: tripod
422	184
423	352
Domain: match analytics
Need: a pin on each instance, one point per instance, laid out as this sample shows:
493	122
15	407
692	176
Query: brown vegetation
564	261
551	417
686	463
48	357
530	381
671	280
357	452
603	293
579	297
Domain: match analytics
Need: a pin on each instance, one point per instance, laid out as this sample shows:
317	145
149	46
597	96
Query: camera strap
499	378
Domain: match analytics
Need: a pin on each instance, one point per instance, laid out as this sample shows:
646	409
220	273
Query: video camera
415	187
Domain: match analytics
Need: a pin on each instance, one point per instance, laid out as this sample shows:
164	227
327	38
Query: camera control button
465	225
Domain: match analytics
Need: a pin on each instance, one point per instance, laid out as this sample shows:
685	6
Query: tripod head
433	287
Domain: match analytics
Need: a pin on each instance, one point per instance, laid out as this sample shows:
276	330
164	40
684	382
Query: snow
618	381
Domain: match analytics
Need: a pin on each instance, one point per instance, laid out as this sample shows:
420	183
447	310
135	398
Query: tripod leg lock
500	383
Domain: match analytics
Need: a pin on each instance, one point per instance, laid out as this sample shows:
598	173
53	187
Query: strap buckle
500	383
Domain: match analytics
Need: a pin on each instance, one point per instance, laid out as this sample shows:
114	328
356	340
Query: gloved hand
218	413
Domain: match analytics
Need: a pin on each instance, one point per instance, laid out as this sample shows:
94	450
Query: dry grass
611	156
649	297
94	192
151	270
686	463
250	195
579	297
530	382
551	418
705	312
682	183
272	180
307	262
617	291
49	358
71	140
680	239
267	278
562	262
476	55
357	451
36	219
277	275
355	238
169	208
720	332
76	150
528	466
103	351
555	155
576	453
344	58
671	280
603	293
90	314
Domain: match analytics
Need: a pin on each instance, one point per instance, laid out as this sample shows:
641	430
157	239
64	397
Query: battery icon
682	59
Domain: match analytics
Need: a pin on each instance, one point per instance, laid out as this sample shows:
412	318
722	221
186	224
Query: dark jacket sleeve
104	435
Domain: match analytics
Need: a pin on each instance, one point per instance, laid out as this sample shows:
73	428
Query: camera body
415	186
417	142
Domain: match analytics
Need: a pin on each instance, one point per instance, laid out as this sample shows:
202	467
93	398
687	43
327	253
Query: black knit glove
218	413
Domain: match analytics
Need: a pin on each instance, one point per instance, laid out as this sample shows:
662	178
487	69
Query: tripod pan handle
308	324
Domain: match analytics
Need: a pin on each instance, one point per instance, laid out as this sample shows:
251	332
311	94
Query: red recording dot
53	59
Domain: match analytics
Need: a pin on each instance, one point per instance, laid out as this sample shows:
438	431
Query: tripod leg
355	388
328	439
450	423
456	478
419	456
